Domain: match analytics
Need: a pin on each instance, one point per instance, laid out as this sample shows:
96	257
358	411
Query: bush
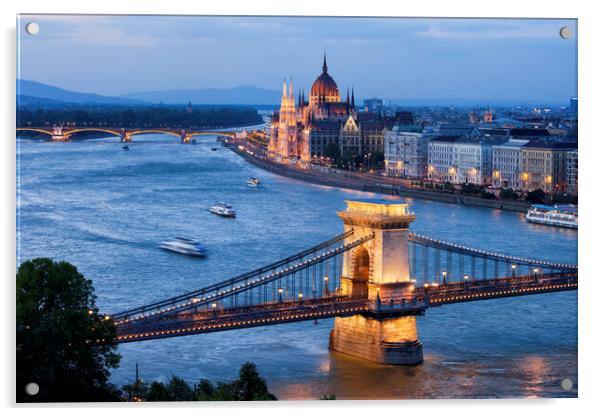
537	196
487	195
471	189
508	193
248	387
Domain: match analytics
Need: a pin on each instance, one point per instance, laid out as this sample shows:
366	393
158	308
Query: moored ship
556	215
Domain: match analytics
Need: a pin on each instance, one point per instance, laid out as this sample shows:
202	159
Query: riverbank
367	183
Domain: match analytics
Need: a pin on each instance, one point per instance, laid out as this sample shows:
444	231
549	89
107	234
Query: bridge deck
188	323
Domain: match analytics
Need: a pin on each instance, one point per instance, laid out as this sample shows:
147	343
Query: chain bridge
374	278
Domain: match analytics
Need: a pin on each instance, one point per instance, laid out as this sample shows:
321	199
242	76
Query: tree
157	392
204	390
536	197
508	193
332	151
179	390
250	386
63	344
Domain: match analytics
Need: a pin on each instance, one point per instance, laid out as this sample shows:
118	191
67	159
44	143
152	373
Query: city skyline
392	58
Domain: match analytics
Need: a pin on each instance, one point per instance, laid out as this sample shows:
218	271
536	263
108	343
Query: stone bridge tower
379	271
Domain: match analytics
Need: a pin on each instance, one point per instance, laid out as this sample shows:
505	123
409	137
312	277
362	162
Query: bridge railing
501	287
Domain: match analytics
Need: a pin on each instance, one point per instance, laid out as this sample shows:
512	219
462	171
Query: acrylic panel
295	208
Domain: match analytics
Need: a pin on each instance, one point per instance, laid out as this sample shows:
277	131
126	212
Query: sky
390	58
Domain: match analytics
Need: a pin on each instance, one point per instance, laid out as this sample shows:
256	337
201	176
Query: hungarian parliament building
303	130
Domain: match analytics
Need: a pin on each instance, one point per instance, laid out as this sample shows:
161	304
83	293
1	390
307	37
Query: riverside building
406	151
460	159
507	163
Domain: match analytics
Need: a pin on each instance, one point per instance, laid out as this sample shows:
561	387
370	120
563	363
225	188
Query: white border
591	137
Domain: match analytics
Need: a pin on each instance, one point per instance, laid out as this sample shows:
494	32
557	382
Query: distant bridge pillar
184	138
124	136
58	134
379	271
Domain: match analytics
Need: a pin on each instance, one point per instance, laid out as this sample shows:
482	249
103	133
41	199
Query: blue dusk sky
391	58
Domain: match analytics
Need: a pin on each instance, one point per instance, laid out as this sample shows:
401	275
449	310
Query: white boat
184	245
253	182
557	215
224	210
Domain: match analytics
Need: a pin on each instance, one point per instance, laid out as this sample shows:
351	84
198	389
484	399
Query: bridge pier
378	270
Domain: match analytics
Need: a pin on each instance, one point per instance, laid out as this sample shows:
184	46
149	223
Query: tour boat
224	210
558	215
253	182
184	245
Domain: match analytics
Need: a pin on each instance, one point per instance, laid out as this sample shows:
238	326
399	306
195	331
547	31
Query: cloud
492	29
84	29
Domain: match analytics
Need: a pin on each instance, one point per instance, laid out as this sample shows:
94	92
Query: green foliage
142	117
487	195
204	391
157	392
328	397
332	151
63	344
471	189
508	193
133	392
448	186
249	386
536	197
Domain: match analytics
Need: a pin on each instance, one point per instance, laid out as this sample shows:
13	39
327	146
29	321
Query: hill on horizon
36	90
242	95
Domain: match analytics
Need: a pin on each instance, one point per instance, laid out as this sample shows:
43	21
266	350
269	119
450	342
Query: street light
444	276
513	270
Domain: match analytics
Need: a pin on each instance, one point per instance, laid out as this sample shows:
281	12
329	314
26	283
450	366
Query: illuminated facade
302	129
459	160
406	152
544	166
507	164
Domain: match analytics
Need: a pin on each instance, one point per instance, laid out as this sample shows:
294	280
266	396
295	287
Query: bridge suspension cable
279	286
460	249
219	286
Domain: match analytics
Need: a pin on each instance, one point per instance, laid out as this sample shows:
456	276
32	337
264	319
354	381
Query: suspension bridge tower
378	270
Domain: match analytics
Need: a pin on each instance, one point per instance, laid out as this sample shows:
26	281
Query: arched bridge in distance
59	133
374	278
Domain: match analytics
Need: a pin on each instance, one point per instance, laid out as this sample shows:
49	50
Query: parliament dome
324	86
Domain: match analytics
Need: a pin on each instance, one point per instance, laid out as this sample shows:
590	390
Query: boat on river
223	210
253	182
182	245
556	215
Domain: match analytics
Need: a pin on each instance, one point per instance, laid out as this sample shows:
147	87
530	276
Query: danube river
105	210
